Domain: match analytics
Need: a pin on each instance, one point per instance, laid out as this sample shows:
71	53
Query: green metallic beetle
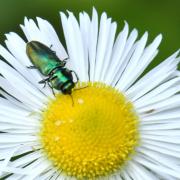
47	62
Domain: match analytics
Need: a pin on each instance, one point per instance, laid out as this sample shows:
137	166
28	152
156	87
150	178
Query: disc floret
92	138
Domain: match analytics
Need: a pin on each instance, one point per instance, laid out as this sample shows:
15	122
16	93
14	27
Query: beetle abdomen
42	57
46	61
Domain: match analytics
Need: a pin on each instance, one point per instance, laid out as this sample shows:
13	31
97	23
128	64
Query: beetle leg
31	67
64	62
44	81
72	99
51	78
77	78
51	88
51	49
44	85
65	59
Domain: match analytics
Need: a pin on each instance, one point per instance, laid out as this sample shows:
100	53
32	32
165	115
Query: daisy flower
121	126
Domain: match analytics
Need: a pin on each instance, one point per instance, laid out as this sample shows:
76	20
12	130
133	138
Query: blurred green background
156	16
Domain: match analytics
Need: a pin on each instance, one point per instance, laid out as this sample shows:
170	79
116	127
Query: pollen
90	134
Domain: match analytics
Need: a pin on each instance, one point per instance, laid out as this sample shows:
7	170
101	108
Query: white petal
176	140
117	51
168	115
48	31
162	91
169	103
15	176
129	49
160	158
32	31
125	175
163	145
16	170
123	82
9	155
19	96
21	61
162	128
148	55
153	78
17	81
48	175
93	43
7	138
85	24
13	101
161	151
26	159
108	55
157	168
74	43
143	172
104	29
37	168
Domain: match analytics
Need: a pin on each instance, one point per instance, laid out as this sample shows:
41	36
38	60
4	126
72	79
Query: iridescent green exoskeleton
47	62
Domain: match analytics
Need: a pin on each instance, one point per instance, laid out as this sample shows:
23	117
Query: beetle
46	61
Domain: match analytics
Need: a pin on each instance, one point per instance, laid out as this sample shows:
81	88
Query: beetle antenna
72	99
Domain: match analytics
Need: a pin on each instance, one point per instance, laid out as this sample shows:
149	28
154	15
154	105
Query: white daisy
121	126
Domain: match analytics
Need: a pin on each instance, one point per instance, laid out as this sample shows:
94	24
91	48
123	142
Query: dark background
156	16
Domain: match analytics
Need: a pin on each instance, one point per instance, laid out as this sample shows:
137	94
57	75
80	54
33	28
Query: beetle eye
67	89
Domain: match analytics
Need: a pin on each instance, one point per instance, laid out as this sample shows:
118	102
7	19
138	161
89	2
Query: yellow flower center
93	137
